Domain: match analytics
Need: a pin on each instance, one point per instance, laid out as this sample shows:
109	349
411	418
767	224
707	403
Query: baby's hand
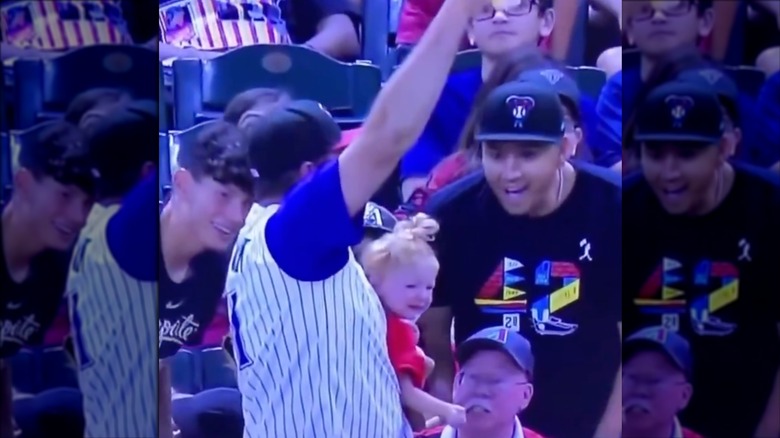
454	416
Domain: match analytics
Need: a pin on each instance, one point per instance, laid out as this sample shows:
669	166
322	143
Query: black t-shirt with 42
555	279
187	308
714	279
30	307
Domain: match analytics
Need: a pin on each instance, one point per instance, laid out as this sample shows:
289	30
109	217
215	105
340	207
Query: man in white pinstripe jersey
309	332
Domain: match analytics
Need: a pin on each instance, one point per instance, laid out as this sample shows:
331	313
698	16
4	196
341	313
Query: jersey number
83	358
238	344
238	256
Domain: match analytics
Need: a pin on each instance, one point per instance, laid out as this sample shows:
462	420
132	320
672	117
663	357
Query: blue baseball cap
501	339
670	343
559	80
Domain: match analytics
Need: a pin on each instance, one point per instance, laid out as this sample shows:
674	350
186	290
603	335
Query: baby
402	267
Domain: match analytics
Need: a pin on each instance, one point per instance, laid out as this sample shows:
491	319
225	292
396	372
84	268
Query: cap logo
520	107
678	108
499	335
711	75
372	216
552	76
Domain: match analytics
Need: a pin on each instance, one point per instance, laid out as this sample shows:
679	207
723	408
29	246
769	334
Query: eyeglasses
514	8
670	9
652	384
470	380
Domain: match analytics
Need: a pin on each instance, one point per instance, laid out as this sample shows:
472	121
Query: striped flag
222	24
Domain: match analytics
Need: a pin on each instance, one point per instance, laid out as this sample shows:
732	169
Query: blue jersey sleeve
133	232
607	138
769	110
310	235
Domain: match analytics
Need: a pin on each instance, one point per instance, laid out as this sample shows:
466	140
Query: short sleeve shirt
405	355
554	279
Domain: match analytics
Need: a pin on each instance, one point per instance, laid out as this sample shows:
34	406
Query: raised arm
403	107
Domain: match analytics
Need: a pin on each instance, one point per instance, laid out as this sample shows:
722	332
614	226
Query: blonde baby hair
409	239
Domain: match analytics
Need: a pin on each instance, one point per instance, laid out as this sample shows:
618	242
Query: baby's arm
420	401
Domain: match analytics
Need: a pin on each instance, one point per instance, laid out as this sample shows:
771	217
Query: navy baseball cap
720	83
499	339
559	80
674	346
522	111
378	218
680	111
299	131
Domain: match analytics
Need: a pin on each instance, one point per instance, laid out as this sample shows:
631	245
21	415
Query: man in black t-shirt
49	206
531	242
701	240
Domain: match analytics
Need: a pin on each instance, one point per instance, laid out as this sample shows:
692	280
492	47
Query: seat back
202	89
44	88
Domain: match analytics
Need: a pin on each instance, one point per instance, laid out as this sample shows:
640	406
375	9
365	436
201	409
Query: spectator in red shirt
402	267
494	384
657	366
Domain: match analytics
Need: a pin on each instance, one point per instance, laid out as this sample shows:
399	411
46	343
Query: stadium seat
749	79
218	369
202	89
165	165
590	80
375	31
467	60
57	370
185	372
26	382
179	139
44	88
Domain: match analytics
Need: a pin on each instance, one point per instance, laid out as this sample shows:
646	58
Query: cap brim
470	347
694	140
632	347
517	137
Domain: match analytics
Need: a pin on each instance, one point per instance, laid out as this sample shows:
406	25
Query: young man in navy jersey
496	31
531	242
701	240
49	206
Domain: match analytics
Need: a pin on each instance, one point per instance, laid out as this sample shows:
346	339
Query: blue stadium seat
185	372
164	167
26	382
57	370
44	88
749	79
202	89
590	80
218	369
375	31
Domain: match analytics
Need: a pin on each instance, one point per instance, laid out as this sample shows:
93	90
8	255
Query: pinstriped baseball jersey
312	356
114	325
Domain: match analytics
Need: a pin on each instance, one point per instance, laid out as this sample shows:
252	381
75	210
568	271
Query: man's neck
564	181
487	67
498	431
178	248
19	243
664	430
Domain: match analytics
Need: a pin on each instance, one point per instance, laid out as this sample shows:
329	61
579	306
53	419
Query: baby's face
407	289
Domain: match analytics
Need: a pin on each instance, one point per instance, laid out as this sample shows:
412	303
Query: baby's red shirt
405	356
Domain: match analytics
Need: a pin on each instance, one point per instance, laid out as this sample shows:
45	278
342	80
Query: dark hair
219	152
252	98
59	152
91	99
121	143
544	5
703	5
667	69
527	58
